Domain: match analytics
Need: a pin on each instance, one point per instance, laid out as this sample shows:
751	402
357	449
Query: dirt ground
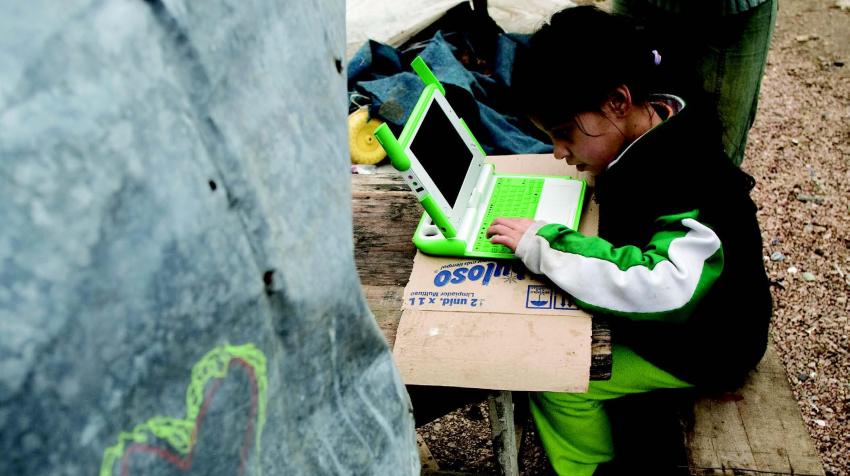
799	153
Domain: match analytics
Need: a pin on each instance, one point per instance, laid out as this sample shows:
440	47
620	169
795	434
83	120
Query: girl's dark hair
573	62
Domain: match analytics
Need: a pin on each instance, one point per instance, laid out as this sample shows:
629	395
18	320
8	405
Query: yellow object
364	148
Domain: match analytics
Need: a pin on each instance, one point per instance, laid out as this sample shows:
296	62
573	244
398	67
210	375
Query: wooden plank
600	350
385	303
366	184
755	430
384	213
428	463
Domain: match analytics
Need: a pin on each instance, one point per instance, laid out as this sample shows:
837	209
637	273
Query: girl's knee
565	402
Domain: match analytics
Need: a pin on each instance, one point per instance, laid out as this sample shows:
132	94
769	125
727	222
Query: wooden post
426	459
501	407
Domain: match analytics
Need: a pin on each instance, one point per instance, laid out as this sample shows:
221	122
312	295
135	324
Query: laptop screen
442	152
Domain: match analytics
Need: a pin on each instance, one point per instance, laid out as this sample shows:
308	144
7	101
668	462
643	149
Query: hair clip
656	57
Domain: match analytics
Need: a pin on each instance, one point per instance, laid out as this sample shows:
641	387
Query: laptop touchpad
558	201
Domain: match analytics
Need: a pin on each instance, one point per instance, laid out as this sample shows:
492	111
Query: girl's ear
619	101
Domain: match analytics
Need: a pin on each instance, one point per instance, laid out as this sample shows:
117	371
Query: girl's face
590	141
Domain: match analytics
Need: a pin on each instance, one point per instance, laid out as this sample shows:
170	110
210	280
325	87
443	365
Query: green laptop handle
388	141
438	217
446	247
426	75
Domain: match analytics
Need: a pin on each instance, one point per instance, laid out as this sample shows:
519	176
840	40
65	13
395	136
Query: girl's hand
508	231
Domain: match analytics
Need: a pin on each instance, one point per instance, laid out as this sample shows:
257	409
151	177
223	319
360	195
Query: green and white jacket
661	280
677	266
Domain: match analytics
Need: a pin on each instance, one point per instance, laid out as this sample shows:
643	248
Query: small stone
777	256
451	445
437	427
807	276
802	376
792	270
843	4
802	38
795	141
820	423
804	197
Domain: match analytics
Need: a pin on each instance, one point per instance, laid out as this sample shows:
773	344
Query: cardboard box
491	324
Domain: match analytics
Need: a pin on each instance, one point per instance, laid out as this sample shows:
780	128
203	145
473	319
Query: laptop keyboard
513	198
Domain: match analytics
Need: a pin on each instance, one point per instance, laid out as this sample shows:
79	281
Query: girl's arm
660	281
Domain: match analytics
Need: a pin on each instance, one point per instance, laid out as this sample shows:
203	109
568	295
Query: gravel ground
799	153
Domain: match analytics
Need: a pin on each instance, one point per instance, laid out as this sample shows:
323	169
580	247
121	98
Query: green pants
725	55
574	427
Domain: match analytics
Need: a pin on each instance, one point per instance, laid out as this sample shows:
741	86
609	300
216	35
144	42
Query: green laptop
444	165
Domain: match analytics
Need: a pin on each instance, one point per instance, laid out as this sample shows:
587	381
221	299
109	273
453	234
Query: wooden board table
385	214
755	430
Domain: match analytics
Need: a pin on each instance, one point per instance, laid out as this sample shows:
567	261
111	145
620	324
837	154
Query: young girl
677	266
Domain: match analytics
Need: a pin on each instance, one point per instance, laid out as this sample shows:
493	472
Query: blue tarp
378	77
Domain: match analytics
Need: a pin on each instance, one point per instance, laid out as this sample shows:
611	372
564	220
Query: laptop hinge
471	217
478	193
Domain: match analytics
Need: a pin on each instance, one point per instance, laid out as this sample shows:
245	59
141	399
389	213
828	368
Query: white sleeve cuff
528	249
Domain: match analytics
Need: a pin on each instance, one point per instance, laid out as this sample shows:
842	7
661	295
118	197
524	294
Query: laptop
445	167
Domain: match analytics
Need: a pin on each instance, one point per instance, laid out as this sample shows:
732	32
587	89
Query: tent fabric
178	293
